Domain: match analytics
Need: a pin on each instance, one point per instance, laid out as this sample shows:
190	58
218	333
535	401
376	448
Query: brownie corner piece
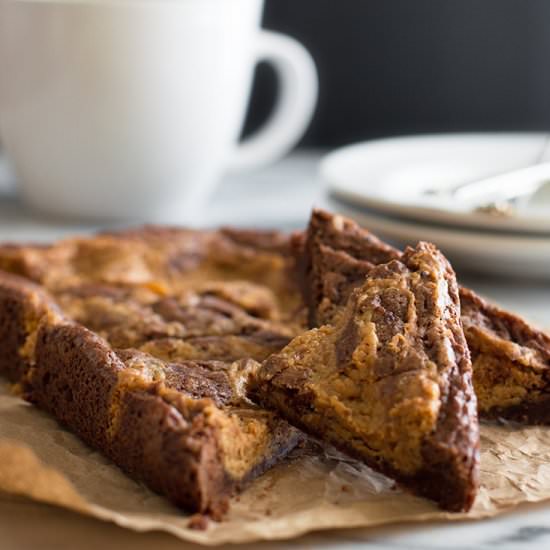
23	307
390	381
190	423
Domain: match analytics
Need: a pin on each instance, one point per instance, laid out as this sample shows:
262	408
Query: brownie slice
390	381
228	440
23	306
183	427
185	294
511	362
511	359
153	261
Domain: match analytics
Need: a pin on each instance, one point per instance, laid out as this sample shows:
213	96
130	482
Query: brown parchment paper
314	489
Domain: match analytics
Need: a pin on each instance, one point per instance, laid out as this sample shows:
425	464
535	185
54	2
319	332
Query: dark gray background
401	66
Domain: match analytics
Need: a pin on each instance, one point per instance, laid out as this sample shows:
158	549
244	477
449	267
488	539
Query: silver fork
504	193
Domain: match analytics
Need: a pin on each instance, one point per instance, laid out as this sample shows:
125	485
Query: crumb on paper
198	522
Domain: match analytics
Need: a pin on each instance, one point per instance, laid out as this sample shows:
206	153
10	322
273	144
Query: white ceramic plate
503	255
392	175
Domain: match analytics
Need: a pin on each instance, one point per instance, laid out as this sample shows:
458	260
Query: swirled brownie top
142	343
511	358
157	261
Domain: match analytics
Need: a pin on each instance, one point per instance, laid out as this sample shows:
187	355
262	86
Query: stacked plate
412	188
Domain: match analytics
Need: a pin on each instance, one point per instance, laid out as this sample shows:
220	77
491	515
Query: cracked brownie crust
390	381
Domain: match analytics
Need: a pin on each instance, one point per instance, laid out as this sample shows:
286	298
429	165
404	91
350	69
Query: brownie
142	343
161	283
215	441
229	347
153	261
390	382
511	359
332	258
334	274
73	377
268	241
23	306
196	324
181	427
511	362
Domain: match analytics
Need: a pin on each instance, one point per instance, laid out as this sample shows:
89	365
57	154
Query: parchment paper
314	489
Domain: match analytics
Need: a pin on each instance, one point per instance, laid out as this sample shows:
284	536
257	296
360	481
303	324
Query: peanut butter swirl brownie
152	262
511	362
511	359
142	343
390	380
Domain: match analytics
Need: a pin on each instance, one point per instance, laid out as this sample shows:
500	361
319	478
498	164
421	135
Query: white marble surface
280	196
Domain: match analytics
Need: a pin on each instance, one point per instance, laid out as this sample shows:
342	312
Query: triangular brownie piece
390	381
511	359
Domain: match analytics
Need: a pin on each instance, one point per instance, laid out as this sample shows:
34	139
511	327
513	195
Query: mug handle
297	97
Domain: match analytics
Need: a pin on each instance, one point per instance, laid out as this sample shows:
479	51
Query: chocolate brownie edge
22	306
176	456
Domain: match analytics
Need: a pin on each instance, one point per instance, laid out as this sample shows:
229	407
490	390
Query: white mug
129	109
